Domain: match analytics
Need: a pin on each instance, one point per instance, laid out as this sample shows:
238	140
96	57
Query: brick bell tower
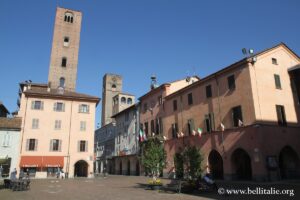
65	47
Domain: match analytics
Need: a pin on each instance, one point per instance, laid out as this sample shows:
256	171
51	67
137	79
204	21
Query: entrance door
242	164
289	163
81	169
215	164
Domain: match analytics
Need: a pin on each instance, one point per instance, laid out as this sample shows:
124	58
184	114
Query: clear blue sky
137	38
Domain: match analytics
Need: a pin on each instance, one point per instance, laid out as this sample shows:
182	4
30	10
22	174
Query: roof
10	123
4	108
124	94
232	66
41	91
122	111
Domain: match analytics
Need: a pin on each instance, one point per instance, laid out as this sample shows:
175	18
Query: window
59	107
55	145
174	130
160	122
57	125
237	116
146	128
113	86
274	61
31	144
37	105
62	82
123	100
35	123
66	41
277	81
129	101
145	107
152	127
68	17
191	126
160	101
208	91
174	105
64	62
209	122
281	115
157	131
84	108
231	82
6	140
82	125
190	98
83	146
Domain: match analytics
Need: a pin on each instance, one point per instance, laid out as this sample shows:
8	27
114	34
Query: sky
137	38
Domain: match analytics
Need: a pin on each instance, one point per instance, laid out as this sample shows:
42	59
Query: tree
153	157
188	163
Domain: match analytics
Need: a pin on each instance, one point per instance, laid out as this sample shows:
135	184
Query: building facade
9	144
57	131
248	113
126	159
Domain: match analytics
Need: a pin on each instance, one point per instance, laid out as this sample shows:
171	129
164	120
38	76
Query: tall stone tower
65	47
112	85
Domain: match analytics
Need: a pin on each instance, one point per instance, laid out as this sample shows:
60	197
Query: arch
241	163
123	100
289	163
215	163
137	168
64	62
120	168
129	101
113	86
68	17
62	81
81	169
71	20
128	167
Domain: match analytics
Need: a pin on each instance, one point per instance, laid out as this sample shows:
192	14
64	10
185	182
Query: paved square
110	188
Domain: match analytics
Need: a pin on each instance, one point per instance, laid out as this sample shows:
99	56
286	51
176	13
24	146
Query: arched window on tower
129	101
123	100
62	82
68	17
64	62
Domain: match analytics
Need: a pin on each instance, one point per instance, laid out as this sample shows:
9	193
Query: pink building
256	101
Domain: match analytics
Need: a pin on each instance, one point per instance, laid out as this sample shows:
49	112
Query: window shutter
4	139
42	105
212	121
32	105
59	145
54	106
36	145
27	144
78	146
79	108
87	108
86	146
63	107
51	145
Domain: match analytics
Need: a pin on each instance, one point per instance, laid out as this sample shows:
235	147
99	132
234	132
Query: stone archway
241	163
128	167
81	169
120	168
215	163
288	163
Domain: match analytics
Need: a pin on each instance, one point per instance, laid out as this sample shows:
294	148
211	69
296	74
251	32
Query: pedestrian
21	176
13	174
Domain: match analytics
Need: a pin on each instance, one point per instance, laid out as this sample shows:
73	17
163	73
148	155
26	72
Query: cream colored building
58	123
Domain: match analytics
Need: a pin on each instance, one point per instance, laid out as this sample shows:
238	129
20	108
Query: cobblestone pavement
110	188
130	188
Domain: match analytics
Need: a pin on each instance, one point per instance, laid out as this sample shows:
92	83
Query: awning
42	161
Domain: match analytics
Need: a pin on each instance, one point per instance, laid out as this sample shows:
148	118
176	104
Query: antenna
153	82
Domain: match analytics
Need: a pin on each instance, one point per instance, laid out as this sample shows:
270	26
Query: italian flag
199	132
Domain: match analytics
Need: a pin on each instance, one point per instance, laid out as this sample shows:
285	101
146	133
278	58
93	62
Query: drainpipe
68	155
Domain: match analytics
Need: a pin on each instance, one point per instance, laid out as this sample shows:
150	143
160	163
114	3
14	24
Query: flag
165	138
222	127
178	135
199	132
141	136
241	123
182	134
194	133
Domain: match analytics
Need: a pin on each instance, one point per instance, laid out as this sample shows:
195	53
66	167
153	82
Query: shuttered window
277	81
59	107
237	116
31	144
231	82
281	115
37	105
208	91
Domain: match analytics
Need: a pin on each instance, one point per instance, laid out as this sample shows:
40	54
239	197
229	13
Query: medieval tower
65	47
112	85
